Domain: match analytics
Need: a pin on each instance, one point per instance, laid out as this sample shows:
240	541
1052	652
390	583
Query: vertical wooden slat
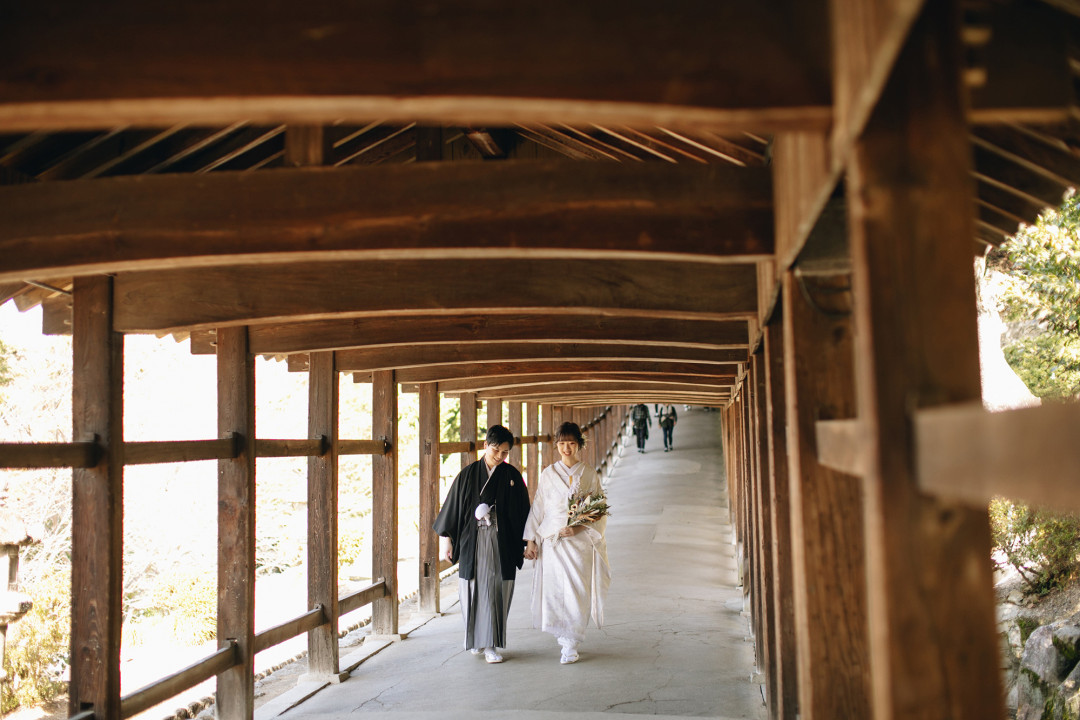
757	593
323	382
494	413
429	497
786	698
829	565
514	426
765	503
467	425
384	505
532	460
97	502
304	145
547	452
932	623
236	523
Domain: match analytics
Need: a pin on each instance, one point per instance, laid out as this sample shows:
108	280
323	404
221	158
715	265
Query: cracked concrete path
675	644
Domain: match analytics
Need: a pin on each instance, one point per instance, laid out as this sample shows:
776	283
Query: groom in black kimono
484	517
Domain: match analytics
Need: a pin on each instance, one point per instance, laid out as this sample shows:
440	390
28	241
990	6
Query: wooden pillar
547	419
754	502
429	498
322	552
97	497
532	461
935	647
494	413
236	523
785	697
829	564
384	503
467	425
514	426
765	502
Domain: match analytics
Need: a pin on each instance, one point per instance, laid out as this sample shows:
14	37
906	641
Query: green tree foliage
1041	545
1043	263
5	368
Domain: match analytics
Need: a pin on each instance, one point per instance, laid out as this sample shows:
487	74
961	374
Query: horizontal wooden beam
447	448
369	359
584	387
560	366
289	629
1031	455
148	453
171	685
260	294
416	211
479	63
267	448
486	327
363	447
509	382
49	455
362	597
841	445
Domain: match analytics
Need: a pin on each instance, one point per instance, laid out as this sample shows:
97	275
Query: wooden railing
228	656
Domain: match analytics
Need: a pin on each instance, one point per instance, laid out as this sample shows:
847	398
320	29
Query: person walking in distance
668	417
482	522
641	419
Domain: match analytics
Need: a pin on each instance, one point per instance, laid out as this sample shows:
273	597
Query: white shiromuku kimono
572	574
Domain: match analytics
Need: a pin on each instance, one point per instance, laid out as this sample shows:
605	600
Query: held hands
571	531
531	551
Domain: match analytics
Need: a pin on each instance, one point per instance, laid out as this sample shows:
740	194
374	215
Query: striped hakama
485	600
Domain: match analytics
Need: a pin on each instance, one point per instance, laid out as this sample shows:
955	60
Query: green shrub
1040	544
39	645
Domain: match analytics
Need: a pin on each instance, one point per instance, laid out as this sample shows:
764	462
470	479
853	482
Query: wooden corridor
770	208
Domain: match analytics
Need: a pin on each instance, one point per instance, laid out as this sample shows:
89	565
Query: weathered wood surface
49	455
289	629
428	432
487	327
254	294
172	451
384	502
840	445
487	384
785	694
768	661
236	523
97	503
580	387
362	597
409	357
322	499
968	454
929	573
828	547
560	366
493	408
513	424
310	64
157	692
468	425
803	179
709	214
532	455
268	447
363	447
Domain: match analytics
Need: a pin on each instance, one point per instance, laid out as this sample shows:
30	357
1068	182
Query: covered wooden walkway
767	207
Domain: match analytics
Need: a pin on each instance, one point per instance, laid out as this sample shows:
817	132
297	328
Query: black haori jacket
457	521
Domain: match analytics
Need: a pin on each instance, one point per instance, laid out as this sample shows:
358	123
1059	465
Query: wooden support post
384	503
765	502
935	649
785	696
467	425
514	426
754	503
547	418
532	461
97	497
429	498
826	506
322	552
236	523
494	413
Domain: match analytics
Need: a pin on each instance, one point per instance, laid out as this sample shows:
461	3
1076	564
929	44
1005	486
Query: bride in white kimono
571	575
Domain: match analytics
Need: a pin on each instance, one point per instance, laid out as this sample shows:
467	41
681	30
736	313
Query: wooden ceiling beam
546	391
486	327
558	367
420	356
513	382
543	209
735	65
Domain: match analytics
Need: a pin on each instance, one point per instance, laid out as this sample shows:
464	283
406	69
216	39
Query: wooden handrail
447	448
170	685
24	456
379	446
173	451
362	597
84	715
291	448
290	628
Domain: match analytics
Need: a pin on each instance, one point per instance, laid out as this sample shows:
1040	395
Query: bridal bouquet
584	509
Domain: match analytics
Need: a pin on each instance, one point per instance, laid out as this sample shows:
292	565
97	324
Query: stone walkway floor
675	643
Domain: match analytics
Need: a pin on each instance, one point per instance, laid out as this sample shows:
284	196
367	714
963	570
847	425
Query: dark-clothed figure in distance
641	419
484	517
668	417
